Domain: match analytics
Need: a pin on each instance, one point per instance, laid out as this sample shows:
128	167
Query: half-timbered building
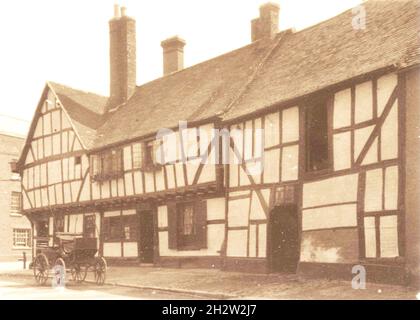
317	172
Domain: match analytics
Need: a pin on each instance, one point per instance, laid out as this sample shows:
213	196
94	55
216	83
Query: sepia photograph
210	155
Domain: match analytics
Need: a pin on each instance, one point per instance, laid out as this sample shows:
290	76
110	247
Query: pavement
216	284
13	287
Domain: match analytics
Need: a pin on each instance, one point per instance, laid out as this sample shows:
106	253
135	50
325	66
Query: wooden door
284	239
146	243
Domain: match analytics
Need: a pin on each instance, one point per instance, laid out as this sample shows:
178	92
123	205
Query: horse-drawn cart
74	254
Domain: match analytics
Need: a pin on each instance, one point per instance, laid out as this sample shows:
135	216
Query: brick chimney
173	55
267	25
122	32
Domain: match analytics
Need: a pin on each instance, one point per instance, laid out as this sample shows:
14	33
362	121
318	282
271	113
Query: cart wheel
78	274
100	270
41	269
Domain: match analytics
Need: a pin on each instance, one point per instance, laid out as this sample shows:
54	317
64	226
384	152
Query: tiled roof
86	110
256	76
333	51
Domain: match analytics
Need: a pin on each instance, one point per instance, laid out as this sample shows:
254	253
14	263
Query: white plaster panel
389	135
373	191
364	101
290	163
248	140
112	214
170	176
138	183
238	212
342	150
180	181
208	173
272	166
149	182
162	216
127	158
389	236
262	240
271	130
329	217
252	241
112	249
391	188
342	109
160	180
130	249
330	191
385	86
237	243
257	211
370	237
216	209
129	212
105	189
290	125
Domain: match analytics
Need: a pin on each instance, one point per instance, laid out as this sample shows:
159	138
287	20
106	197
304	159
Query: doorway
146	242
284	239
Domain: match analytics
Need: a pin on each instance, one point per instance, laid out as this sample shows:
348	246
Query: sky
67	41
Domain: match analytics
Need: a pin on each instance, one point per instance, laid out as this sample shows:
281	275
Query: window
59	223
187	225
21	238
129	227
106	166
78	160
16	202
120	228
137	156
112	228
187	220
150	155
316	118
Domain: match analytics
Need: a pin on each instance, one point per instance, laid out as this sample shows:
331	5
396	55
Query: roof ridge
78	90
199	63
280	37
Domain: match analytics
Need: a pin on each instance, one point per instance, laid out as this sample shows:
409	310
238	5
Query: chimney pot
116	11
173	55
123	11
267	25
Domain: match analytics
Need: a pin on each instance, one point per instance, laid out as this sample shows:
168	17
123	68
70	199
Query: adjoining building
15	228
338	104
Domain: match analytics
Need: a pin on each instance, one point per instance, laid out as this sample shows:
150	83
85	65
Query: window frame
186	241
107	165
27	238
120	223
16	209
149	150
313	102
